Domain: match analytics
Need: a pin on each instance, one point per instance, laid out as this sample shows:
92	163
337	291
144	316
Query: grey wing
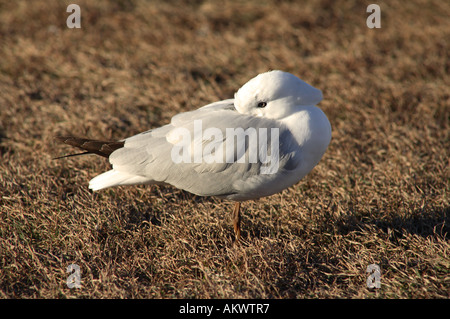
218	162
186	117
180	119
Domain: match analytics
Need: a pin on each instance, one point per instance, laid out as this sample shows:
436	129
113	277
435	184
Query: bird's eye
262	104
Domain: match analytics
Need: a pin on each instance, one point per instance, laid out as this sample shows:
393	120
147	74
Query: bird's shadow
141	214
419	222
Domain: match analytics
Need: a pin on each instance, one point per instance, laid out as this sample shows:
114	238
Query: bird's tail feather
89	146
115	178
103	148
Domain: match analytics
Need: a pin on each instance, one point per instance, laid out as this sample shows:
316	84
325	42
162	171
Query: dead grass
380	195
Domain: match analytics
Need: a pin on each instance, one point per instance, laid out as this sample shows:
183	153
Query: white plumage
304	134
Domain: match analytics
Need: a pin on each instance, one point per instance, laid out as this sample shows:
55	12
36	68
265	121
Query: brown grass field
380	195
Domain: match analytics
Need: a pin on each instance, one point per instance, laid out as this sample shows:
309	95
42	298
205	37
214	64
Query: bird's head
275	94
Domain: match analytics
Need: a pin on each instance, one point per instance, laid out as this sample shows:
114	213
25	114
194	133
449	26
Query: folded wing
212	168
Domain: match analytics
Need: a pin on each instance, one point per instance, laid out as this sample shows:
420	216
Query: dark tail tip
102	148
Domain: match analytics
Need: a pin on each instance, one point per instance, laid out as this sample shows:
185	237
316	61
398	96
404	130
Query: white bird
198	151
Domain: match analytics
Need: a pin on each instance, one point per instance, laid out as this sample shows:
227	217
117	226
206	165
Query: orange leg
237	220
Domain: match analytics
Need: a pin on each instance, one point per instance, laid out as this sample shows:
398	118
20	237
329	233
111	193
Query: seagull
264	140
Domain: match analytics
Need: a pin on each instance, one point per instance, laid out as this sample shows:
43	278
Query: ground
380	195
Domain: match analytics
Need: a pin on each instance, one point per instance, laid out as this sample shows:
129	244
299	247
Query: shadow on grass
418	222
140	213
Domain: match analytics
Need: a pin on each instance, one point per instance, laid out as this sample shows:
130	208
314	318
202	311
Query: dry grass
380	195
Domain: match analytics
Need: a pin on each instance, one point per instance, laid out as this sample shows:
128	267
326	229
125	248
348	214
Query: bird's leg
237	221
